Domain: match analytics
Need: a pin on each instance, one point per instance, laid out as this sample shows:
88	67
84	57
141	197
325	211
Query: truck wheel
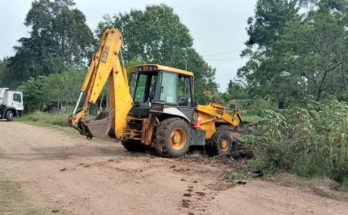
221	143
9	115
173	137
134	146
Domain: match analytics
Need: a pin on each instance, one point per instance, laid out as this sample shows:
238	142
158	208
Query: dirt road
93	177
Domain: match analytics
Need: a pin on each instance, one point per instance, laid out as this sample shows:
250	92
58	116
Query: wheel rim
178	138
224	145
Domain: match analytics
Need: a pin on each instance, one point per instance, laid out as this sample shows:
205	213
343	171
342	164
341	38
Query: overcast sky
218	27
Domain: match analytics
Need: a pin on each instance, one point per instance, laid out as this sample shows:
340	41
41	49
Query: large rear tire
173	137
134	146
221	143
9	115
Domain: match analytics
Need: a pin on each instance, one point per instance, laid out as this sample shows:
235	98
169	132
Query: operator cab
161	84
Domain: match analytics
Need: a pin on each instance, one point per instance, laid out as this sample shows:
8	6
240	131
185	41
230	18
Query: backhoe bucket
98	127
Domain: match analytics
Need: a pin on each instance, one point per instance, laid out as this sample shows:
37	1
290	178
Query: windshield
176	89
168	92
144	87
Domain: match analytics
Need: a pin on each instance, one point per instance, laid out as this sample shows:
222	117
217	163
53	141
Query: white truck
11	104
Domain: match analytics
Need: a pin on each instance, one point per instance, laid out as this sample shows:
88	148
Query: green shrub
311	141
50	92
259	105
236	176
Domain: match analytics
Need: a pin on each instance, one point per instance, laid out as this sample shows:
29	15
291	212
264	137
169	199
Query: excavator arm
105	66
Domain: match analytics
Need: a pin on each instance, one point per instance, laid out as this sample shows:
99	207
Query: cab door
17	101
185	95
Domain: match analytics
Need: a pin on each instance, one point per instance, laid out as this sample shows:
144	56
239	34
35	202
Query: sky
217	27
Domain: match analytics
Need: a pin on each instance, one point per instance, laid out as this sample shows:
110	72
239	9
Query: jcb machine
158	110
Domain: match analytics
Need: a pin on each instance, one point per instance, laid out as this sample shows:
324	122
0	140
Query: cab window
145	88
17	97
140	88
184	90
169	85
133	81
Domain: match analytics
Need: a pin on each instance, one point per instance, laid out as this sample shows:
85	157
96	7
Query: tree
3	71
263	76
316	53
156	35
235	90
51	91
59	39
307	57
339	5
270	19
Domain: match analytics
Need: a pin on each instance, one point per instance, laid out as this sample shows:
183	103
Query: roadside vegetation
57	121
295	79
310	140
45	118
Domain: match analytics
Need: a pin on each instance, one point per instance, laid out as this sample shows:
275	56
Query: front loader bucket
97	127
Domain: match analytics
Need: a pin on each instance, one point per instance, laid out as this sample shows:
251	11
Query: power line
222	53
222	59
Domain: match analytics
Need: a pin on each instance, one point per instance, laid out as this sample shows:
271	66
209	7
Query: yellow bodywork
157	67
106	65
212	114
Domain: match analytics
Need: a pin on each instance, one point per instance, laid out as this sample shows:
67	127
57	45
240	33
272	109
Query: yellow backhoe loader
158	109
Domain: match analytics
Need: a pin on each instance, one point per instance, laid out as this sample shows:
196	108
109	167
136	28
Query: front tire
173	137
221	143
9	115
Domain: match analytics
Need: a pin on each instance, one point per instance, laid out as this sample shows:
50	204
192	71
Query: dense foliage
53	92
311	140
294	51
156	35
59	40
235	91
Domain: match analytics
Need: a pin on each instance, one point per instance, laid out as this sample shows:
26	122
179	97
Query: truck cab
11	104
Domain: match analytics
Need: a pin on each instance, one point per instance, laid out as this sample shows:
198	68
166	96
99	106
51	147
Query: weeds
236	176
59	119
311	141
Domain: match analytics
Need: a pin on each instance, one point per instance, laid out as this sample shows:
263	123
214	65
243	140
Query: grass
14	201
58	121
236	176
44	118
